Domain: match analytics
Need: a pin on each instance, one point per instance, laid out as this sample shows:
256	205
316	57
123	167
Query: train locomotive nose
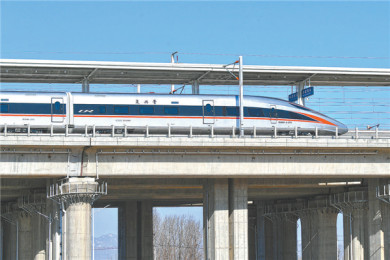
342	129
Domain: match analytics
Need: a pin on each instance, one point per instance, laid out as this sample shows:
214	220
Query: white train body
158	110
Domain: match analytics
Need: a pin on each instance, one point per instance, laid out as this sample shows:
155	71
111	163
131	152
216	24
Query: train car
158	110
34	108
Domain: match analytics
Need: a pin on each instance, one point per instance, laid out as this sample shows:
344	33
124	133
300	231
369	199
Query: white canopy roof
103	72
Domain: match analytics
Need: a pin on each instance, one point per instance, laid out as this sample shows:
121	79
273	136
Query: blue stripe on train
32	108
158	110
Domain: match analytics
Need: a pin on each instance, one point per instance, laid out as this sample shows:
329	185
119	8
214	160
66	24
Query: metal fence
190	132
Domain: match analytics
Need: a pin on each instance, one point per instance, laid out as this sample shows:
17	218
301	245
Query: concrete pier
319	233
238	219
347	234
25	238
265	234
38	237
127	231
277	236
289	236
383	194
355	234
327	234
353	205
252	240
135	230
359	233
280	236
386	228
225	212
269	239
216	219
78	230
375	216
77	195
9	248
261	231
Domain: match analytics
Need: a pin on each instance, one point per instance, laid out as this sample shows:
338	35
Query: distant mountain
106	247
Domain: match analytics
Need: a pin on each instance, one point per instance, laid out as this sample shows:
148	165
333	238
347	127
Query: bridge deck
223	142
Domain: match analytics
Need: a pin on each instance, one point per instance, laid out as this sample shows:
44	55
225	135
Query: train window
121	109
171	110
295	116
231	111
209	108
102	109
255	112
274	113
146	110
283	114
57	105
4	108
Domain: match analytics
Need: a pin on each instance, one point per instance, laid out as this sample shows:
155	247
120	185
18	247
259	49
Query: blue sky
305	33
149	31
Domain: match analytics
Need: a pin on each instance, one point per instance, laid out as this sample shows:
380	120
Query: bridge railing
170	131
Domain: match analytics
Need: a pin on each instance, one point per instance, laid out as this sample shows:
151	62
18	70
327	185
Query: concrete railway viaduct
253	189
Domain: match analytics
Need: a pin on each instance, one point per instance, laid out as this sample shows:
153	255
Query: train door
57	110
208	112
273	114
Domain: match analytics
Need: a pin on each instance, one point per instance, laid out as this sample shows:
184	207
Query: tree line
177	238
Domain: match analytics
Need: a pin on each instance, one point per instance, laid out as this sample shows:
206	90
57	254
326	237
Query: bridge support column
319	233
359	233
353	204
135	230
355	228
267	234
216	219
238	218
34	205
39	237
252	240
380	236
284	236
261	235
277	236
9	248
289	236
226	212
355	233
386	228
347	236
77	195
25	238
78	230
375	217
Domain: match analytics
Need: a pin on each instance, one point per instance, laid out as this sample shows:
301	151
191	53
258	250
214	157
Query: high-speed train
158	110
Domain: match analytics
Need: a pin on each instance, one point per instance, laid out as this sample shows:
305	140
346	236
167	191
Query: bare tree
177	238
